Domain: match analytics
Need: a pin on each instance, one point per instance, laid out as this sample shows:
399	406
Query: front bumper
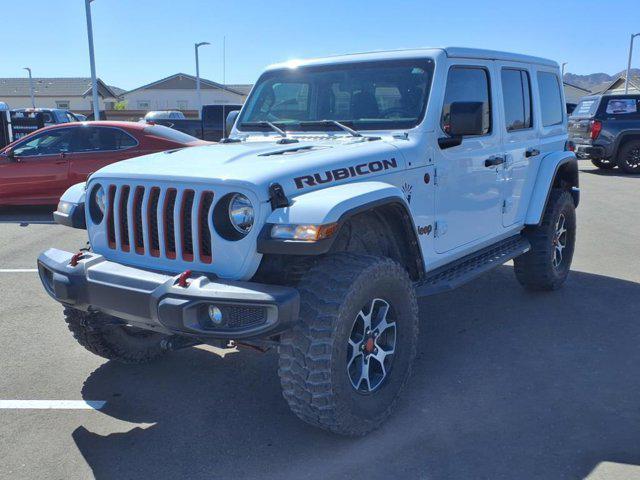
154	301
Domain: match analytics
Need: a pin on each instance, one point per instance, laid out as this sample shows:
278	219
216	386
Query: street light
92	61
563	64
626	80
33	99
198	45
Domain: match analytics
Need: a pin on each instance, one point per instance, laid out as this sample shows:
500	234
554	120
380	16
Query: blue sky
139	41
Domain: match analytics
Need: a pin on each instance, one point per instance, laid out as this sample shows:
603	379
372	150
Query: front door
468	191
38	170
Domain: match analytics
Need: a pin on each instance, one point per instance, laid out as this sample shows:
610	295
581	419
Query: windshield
380	95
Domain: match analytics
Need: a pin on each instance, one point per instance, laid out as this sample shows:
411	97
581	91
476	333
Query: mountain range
596	81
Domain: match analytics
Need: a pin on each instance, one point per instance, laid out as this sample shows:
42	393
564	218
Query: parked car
50	116
164	115
38	168
368	181
606	130
210	126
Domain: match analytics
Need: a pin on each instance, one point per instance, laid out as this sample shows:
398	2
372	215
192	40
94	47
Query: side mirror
230	121
465	119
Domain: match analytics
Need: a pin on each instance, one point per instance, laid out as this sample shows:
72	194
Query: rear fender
557	170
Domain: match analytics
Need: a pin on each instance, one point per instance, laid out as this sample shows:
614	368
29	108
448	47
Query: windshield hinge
277	197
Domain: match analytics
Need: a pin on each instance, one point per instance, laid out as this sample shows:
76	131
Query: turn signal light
304	233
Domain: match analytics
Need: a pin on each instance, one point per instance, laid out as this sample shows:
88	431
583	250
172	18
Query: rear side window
550	99
97	139
467	84
622	106
586	108
516	92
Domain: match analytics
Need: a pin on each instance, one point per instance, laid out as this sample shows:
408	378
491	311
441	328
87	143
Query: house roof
586	90
53	87
183	81
634	82
244	88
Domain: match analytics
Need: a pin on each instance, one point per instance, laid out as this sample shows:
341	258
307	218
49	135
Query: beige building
178	92
73	94
617	86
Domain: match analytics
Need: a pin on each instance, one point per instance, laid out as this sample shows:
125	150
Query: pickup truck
209	127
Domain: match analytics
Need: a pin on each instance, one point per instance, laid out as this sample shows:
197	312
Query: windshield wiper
264	123
342	126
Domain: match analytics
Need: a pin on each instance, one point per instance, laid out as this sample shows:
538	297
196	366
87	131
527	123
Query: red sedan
38	168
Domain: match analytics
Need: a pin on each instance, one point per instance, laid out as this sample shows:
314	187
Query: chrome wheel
372	345
559	240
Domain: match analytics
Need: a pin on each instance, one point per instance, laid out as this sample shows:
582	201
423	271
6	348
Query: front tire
546	266
121	343
343	367
629	157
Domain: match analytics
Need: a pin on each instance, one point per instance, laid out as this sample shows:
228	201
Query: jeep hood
255	165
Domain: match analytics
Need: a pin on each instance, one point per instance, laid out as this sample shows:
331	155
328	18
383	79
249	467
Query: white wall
169	99
75	103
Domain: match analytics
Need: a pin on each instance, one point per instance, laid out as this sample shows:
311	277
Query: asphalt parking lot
507	384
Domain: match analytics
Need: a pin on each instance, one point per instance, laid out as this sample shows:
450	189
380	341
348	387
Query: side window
516	93
622	106
97	139
550	99
46	143
468	85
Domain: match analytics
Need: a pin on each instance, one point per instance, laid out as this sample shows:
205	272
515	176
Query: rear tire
334	374
603	164
629	157
546	266
121	343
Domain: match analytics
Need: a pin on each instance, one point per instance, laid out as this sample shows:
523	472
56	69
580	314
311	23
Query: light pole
563	64
92	61
33	99
198	45
626	80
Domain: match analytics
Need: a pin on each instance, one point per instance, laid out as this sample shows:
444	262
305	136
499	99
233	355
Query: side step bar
467	268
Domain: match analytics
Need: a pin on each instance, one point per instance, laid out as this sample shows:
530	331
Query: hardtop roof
451	52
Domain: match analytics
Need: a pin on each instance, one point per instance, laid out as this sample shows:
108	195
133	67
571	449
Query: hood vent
294	151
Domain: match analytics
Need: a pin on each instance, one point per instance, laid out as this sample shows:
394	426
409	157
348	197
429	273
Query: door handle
532	152
494	161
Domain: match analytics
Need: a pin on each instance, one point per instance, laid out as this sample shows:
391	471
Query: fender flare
556	169
329	205
621	138
74	216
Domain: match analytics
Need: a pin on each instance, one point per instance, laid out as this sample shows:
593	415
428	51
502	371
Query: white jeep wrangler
348	187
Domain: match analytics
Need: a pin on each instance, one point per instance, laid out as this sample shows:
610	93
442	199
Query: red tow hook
76	257
182	279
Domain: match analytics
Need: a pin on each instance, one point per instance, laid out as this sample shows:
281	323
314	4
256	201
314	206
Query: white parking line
18	270
52	404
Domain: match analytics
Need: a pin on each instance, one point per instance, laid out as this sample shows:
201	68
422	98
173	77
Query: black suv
606	130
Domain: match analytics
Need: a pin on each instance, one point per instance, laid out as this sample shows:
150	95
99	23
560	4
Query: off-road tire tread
95	339
305	351
622	153
532	269
609	165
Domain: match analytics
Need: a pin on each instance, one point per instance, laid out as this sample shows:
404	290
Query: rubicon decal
346	172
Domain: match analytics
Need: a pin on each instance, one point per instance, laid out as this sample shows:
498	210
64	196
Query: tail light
569	146
595	127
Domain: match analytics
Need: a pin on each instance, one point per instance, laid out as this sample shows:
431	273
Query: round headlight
241	213
97	204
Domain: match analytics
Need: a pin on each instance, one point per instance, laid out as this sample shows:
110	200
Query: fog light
215	314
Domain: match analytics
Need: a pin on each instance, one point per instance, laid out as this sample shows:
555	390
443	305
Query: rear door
520	140
38	172
96	147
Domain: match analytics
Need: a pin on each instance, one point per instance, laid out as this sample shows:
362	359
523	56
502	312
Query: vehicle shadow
26	215
507	384
608	173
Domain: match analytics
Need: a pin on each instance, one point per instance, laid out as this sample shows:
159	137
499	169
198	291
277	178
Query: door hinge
435	176
506	206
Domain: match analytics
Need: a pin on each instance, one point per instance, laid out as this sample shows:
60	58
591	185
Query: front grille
170	223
